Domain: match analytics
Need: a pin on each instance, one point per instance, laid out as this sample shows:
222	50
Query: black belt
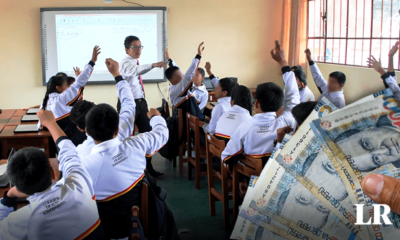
140	99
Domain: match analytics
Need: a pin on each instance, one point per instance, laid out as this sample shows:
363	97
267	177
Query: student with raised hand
60	97
332	89
240	112
198	89
306	95
116	166
257	136
213	78
126	114
62	210
182	82
387	78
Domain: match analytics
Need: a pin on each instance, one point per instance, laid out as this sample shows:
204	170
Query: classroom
189	119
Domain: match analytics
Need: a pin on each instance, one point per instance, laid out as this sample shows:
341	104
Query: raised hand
281	132
96	52
77	71
308	54
167	54
113	67
208	68
200	49
278	54
153	112
394	49
377	65
46	117
159	65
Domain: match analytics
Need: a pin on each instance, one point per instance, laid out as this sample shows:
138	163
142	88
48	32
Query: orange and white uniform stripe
231	120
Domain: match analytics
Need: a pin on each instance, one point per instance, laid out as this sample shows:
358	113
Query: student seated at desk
332	89
223	93
198	89
63	210
306	95
126	117
59	98
240	112
256	137
116	166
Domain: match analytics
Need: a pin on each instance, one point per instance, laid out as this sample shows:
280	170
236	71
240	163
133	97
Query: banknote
360	140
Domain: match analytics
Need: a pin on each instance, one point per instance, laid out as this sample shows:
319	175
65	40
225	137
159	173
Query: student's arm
316	74
215	115
391	71
213	78
386	77
13	224
292	96
235	144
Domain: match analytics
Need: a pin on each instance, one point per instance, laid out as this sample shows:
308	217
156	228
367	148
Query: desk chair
215	147
183	145
248	166
144	208
194	124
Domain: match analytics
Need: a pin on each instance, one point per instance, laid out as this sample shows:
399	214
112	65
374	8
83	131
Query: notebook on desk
29	118
27	128
33	110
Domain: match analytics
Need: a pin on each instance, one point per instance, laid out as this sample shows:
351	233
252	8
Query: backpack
170	150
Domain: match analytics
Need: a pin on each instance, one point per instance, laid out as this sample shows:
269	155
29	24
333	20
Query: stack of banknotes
310	185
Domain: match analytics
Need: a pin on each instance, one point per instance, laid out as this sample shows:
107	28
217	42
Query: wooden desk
14	121
10	140
20	113
54	166
7	113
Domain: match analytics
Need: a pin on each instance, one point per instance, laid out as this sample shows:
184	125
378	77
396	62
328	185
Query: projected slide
71	37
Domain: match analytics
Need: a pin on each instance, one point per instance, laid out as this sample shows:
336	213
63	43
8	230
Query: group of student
102	163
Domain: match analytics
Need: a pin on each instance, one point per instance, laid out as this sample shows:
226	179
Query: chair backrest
192	123
166	109
251	166
180	122
144	206
215	145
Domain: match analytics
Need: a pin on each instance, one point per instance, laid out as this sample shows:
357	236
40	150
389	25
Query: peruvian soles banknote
282	198
360	140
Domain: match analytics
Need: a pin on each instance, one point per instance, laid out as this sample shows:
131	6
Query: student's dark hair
341	78
300	74
101	122
70	80
52	87
129	40
269	96
241	96
29	170
61	74
302	111
227	84
170	72
79	111
201	71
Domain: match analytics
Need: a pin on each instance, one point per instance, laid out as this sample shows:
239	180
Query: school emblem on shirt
288	159
261	202
326	124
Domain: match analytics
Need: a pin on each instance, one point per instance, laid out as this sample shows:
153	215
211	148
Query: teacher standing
132	72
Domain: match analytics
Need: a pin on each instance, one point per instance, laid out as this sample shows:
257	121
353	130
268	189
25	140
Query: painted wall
237	34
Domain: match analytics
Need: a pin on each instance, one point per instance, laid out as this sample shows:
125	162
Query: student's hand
13	193
394	49
113	67
46	117
77	71
278	54
377	65
281	132
96	52
308	54
208	68
167	54
153	112
159	65
383	190
200	49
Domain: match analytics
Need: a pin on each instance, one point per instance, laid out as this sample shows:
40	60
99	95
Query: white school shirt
224	104
59	103
126	119
117	166
201	95
392	82
306	95
66	210
131	71
337	98
177	89
256	136
231	120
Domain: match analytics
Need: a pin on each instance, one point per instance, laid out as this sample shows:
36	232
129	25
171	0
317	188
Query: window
349	31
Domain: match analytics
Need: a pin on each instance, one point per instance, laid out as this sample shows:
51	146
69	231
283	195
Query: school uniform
256	136
116	168
179	92
230	121
391	80
66	210
224	104
337	98
306	95
126	119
